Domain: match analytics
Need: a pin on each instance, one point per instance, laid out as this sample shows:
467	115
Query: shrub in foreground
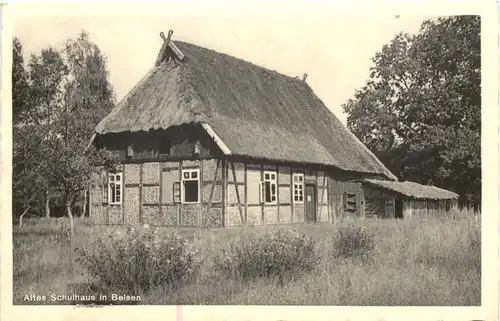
354	241
279	253
138	261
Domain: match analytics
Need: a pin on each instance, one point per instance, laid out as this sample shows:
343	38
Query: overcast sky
333	47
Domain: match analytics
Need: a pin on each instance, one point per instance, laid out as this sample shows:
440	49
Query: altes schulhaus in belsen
210	140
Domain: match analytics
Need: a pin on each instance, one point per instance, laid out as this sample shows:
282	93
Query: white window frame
112	179
272	179
190	179
295	187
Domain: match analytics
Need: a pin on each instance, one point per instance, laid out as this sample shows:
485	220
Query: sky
334	47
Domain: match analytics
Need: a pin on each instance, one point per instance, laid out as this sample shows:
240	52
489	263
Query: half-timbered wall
149	195
229	195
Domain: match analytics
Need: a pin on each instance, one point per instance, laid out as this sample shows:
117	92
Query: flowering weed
354	241
279	254
138	261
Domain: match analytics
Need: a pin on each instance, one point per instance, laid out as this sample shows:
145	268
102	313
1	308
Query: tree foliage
27	169
68	92
88	96
420	110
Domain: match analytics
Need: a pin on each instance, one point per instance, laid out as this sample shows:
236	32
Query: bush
354	241
280	254
137	262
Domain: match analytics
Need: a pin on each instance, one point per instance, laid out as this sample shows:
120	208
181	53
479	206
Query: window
190	185
298	188
350	202
268	188
115	188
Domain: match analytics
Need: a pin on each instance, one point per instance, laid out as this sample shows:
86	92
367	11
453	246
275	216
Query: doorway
310	205
398	208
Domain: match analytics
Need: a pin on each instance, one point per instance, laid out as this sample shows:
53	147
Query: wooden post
318	207
212	190
200	212
292	200
160	189
179	205
224	192
362	202
140	193
245	179
278	192
90	199
123	194
323	186
237	193
262	201
106	190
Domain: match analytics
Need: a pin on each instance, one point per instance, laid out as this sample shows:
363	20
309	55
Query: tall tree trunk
84	211
27	209
69	203
22	216
47	204
70	215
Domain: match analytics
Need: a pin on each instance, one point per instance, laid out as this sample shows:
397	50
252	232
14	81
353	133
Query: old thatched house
385	199
207	139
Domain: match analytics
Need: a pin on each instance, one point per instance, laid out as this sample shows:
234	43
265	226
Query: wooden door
398	209
310	203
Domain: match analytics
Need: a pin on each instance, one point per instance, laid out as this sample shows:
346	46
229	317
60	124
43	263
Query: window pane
266	176
118	198
273	176
194	174
273	189
268	192
111	178
191	191
186	175
118	177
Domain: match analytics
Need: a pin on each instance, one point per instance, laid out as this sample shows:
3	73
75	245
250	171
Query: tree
27	173
19	83
420	111
88	96
37	94
47	73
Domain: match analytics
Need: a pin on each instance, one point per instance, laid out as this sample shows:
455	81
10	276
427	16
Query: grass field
416	262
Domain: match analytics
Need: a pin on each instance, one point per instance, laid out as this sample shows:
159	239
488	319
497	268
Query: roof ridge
294	79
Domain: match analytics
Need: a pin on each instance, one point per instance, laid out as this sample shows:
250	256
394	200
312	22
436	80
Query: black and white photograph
268	156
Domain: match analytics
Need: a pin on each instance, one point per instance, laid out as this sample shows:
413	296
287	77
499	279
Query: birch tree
88	97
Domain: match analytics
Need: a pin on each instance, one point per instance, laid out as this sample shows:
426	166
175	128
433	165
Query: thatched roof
256	112
414	190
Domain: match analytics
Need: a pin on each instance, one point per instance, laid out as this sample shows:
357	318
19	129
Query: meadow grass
419	262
